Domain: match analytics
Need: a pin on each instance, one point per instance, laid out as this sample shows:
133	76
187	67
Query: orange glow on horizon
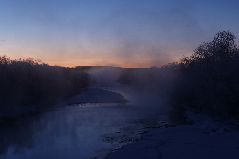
101	58
93	55
110	61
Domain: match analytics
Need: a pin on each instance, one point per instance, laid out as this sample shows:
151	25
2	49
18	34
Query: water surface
74	132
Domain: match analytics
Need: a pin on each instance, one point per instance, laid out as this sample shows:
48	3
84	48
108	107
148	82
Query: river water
72	132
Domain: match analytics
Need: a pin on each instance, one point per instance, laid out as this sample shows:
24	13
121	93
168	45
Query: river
70	132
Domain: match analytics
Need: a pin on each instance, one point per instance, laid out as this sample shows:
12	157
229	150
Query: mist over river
74	132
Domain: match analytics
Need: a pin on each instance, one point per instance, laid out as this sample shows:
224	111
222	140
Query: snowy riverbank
205	139
90	95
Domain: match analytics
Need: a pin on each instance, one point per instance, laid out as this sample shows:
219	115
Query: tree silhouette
26	82
209	79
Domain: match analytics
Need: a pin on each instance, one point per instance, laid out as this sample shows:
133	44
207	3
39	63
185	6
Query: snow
205	139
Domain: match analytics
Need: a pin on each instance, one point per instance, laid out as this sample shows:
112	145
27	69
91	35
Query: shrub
209	80
27	82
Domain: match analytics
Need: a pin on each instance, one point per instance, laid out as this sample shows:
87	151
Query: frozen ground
205	139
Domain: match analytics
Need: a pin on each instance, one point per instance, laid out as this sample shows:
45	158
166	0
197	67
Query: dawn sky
128	33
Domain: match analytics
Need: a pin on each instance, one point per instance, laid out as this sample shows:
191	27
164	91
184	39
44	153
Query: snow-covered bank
90	95
203	140
97	95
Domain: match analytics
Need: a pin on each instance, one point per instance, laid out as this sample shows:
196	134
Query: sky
126	33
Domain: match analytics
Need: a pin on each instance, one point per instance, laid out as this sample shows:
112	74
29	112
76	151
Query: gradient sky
128	33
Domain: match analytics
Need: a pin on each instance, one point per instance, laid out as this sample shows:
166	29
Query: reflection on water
73	132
